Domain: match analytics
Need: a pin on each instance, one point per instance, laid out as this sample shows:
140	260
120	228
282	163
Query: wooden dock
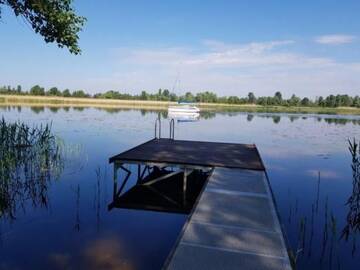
193	153
234	223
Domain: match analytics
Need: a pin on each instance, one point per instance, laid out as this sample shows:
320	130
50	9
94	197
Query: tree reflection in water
29	158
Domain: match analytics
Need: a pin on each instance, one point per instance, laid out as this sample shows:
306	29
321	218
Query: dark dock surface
233	223
179	152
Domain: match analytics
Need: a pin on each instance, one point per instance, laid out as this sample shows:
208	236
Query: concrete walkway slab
234	210
195	258
243	180
234	226
238	239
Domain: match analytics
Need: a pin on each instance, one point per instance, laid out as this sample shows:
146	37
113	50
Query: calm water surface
306	157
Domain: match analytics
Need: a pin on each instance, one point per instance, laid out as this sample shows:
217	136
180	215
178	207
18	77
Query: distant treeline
206	97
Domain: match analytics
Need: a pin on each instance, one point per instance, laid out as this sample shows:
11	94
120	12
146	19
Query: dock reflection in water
159	189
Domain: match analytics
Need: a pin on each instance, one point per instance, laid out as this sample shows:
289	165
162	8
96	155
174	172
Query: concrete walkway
234	226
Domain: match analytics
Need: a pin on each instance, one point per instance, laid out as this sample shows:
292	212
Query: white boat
184	109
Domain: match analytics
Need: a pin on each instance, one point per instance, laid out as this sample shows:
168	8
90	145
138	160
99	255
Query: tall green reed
353	217
29	158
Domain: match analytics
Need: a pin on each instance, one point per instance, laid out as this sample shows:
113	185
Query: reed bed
353	217
29	158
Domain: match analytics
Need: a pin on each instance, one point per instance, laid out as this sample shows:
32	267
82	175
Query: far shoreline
33	101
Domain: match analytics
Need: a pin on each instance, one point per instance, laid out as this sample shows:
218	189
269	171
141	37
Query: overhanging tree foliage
55	20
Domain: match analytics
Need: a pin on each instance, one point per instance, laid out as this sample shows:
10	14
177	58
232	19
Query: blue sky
309	48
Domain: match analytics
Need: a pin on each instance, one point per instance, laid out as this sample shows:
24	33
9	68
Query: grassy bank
146	104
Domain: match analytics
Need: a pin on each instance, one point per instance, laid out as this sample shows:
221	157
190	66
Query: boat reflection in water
184	117
184	112
184	107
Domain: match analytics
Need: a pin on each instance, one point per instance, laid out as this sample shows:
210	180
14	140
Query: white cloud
230	69
335	39
221	55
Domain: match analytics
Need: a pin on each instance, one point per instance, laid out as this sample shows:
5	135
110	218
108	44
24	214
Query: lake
71	227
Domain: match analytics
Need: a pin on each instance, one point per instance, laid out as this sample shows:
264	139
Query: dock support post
184	186
124	181
115	179
139	177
